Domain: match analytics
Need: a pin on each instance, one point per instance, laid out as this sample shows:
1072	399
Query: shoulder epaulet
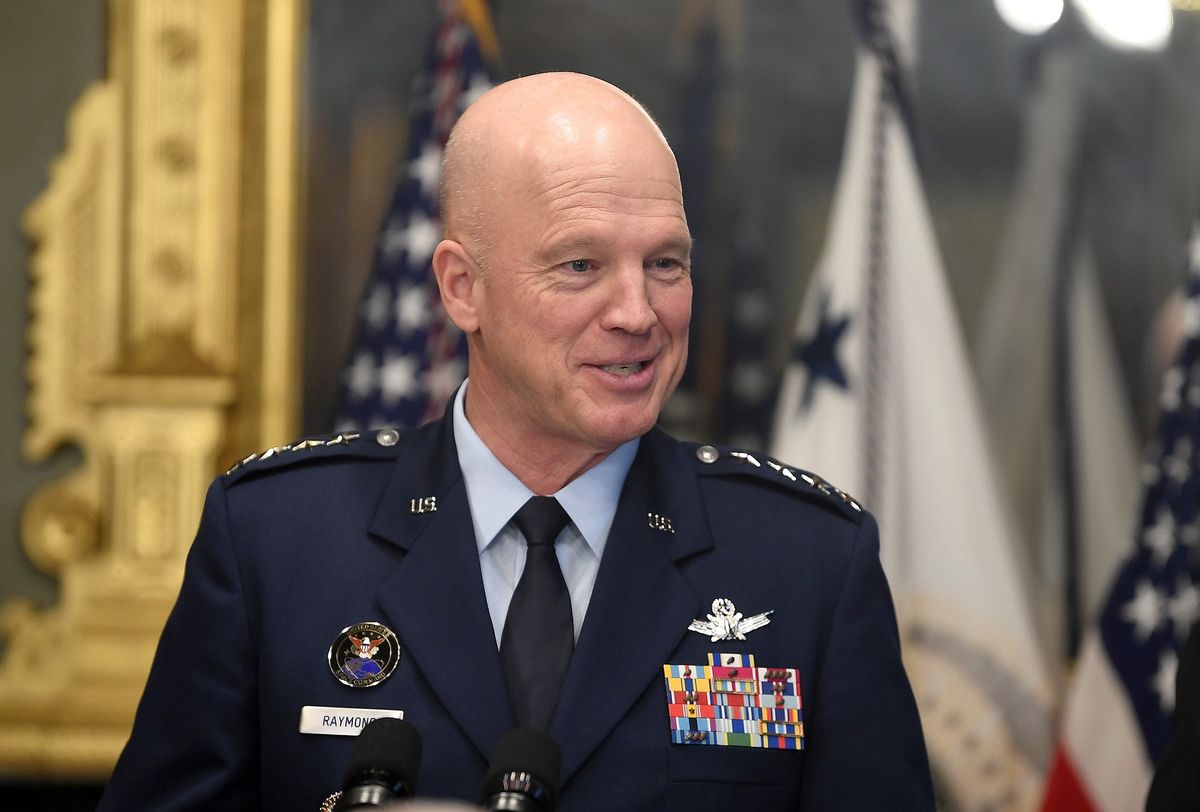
380	443
713	461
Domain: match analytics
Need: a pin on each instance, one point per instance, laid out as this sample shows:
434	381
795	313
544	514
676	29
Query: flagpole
1067	33
1065	409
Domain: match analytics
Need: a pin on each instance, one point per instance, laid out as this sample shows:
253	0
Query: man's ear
457	280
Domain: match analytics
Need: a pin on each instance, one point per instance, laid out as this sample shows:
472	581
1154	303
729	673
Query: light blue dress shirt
495	494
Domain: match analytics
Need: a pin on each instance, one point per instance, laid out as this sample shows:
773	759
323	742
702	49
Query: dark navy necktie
539	633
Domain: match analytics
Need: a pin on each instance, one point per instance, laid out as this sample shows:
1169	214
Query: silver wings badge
725	623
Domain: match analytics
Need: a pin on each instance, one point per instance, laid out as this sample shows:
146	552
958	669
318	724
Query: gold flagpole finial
478	15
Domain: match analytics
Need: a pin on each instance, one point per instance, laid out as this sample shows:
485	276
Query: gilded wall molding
162	343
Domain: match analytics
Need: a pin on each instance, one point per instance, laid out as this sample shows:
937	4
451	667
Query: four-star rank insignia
730	702
726	623
364	654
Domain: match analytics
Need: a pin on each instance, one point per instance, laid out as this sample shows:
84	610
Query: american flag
1126	676
408	357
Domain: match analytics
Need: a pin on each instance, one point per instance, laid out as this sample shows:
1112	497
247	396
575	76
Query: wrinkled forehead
599	170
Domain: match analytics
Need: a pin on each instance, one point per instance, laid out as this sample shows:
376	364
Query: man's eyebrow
571	245
584	245
678	245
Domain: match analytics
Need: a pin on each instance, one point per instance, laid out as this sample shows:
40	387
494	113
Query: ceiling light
1129	24
1029	16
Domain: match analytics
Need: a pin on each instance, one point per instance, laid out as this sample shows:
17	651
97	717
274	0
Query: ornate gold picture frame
164	343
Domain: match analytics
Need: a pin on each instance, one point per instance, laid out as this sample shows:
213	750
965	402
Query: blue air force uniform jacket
294	548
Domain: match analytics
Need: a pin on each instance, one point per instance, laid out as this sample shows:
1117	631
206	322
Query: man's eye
579	265
668	264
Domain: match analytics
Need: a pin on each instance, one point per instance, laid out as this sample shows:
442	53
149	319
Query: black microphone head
528	762
387	751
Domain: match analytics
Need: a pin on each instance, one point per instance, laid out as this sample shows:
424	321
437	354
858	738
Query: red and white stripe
1101	763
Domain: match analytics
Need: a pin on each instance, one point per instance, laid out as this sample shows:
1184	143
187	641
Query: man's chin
619	426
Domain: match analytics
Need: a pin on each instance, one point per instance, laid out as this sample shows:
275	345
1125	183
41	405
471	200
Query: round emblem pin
364	654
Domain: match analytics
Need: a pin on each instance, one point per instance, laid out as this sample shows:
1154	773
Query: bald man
698	628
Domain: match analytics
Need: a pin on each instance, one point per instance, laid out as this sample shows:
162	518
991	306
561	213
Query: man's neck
543	465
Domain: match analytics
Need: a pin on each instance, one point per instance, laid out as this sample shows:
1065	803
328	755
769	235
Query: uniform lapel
434	599
641	605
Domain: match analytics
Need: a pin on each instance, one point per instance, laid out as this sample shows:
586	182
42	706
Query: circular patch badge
364	654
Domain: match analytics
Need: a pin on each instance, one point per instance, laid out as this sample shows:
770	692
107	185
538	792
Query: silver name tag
323	721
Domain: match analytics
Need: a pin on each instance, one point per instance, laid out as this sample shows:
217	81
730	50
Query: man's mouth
624	369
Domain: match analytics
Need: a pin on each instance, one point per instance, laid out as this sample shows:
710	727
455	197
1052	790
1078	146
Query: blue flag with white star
879	399
408	358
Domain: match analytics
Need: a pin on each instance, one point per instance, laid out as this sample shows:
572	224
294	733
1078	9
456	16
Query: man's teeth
623	369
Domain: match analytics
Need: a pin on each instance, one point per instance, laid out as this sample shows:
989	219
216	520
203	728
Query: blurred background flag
1118	711
879	398
1064	438
408	358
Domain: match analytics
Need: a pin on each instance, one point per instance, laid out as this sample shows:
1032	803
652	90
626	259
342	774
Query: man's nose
629	307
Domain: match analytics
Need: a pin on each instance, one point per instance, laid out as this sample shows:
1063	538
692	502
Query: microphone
524	773
383	766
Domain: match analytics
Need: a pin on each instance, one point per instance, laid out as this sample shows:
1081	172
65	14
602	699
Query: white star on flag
1145	610
1160	537
417	238
412	310
375	308
1178	464
361	376
397	378
421	237
1164	679
392	239
477	87
1184	607
427	169
1191	311
1151	469
1193	395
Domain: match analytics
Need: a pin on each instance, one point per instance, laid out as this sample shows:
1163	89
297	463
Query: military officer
696	627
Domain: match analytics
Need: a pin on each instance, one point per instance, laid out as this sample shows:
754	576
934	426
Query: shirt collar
495	494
